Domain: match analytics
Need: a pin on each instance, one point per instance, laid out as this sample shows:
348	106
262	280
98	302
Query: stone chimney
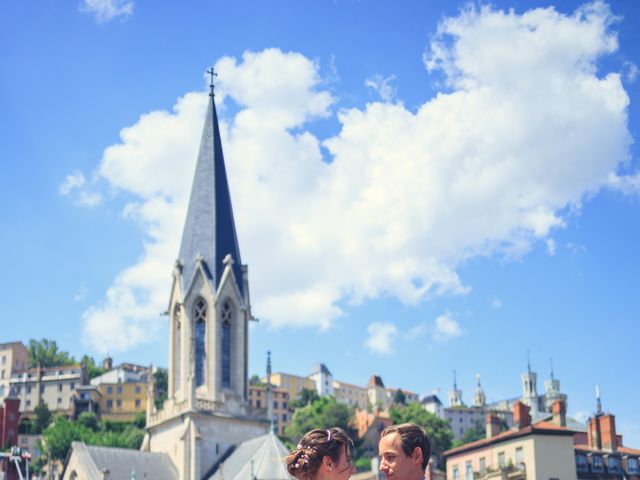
559	413
608	432
492	425
521	416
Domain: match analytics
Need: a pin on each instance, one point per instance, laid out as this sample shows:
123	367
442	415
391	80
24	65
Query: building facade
14	357
280	412
55	386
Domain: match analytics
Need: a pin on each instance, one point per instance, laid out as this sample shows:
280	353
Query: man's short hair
411	436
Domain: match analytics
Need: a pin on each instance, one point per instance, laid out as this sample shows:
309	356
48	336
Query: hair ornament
328	435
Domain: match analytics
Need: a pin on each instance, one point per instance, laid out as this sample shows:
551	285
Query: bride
322	455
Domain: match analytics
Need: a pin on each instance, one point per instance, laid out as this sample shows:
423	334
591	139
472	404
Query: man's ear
416	456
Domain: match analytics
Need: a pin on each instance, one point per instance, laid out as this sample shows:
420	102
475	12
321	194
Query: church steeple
209	233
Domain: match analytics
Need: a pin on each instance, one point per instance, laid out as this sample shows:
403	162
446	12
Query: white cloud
417	331
528	132
551	246
74	185
81	294
446	328
630	72
381	337
107	10
628	184
382	85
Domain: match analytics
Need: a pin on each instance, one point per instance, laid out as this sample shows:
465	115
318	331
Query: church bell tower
207	409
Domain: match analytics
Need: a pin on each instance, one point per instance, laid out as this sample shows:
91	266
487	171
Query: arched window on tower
200	320
177	349
227	315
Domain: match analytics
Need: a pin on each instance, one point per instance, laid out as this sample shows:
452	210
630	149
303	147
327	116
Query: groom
404	452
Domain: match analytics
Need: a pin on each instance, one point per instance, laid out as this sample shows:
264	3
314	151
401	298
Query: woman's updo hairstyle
303	463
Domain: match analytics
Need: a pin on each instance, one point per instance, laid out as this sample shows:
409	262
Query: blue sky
418	186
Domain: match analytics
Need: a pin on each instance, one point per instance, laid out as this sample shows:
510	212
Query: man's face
395	464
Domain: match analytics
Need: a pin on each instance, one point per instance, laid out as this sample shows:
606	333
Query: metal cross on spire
213	74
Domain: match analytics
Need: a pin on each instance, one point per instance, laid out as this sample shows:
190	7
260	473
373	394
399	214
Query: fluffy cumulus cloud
446	328
106	10
526	129
380	337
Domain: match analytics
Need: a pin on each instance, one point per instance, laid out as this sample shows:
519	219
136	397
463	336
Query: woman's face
344	468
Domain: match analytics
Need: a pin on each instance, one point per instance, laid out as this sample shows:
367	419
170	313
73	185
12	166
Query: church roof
209	230
261	458
122	462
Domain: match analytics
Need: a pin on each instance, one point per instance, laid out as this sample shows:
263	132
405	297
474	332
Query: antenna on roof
598	402
551	359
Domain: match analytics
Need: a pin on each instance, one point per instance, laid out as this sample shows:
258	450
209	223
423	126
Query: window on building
227	317
2	374
138	403
28	388
59	387
284	417
483	466
59	400
284	404
596	463
28	403
4	360
581	463
468	471
109	389
119	389
109	404
632	466
177	320
41	388
72	386
519	456
275	404
456	474
614	465
118	403
501	460
138	389
200	317
258	403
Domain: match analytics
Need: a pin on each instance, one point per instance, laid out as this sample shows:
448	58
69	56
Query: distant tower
530	390
479	398
268	389
455	395
552	391
598	402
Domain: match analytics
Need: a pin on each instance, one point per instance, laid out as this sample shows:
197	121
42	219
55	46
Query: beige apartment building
350	394
14	357
121	402
54	386
293	384
280	398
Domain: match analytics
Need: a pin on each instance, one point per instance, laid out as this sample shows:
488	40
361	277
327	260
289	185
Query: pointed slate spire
209	231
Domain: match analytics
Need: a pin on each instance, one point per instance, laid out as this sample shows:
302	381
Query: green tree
46	354
140	420
323	413
161	378
255	381
472	434
42	418
438	430
89	420
399	398
93	369
306	397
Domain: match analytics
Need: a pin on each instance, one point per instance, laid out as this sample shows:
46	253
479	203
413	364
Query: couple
325	454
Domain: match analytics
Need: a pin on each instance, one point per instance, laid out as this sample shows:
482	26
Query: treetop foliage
46	354
437	429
